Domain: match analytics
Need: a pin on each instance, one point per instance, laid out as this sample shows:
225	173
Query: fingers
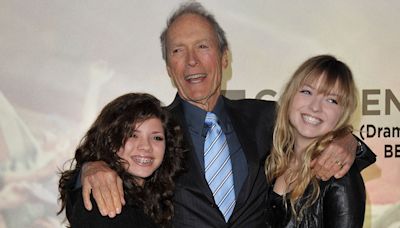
121	190
345	168
345	165
117	195
110	195
86	190
105	186
336	159
98	192
328	164
316	167
327	170
324	165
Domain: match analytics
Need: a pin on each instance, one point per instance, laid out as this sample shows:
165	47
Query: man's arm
364	156
105	185
339	156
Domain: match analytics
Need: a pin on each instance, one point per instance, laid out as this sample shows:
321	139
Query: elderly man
195	50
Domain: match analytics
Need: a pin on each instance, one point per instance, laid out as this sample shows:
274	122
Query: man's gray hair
194	8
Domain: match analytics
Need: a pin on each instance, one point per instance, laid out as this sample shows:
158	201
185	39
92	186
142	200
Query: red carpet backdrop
62	61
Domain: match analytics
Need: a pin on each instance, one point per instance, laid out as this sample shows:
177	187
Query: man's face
194	60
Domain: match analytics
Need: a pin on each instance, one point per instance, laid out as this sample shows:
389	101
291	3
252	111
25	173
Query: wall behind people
62	61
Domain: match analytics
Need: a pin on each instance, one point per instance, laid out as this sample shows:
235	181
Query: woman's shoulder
130	214
351	184
352	177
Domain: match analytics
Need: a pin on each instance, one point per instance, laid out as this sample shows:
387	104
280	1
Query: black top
341	203
131	216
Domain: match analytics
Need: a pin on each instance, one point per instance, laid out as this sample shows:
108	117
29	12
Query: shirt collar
195	116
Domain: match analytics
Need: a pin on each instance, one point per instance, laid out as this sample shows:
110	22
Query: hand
336	159
106	187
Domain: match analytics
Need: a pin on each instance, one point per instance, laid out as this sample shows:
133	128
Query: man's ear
225	58
168	69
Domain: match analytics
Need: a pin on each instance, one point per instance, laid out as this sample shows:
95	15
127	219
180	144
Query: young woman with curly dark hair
137	138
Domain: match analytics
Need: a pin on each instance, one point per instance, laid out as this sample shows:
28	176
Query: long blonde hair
335	74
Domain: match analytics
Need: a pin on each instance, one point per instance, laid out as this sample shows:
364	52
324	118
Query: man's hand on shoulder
336	159
106	187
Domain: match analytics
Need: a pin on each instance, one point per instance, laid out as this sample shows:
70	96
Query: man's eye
177	50
203	46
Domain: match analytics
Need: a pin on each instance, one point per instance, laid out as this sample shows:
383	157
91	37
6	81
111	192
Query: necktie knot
211	119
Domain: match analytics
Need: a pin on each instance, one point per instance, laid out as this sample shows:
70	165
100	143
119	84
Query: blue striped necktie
218	167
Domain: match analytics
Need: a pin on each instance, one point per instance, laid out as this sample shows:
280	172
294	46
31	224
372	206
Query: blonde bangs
331	83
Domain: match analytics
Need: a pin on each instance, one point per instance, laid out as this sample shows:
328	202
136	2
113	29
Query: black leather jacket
341	203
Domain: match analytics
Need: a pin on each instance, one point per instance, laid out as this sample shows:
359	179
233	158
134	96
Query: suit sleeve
344	201
364	155
74	193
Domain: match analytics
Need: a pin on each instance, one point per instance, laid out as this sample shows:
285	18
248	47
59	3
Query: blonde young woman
314	109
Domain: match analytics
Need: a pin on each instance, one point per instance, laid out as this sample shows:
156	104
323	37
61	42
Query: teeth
142	160
311	120
195	76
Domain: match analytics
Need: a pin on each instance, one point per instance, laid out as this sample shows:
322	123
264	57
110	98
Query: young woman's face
144	150
314	114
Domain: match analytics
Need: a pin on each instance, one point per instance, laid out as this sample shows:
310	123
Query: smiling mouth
311	120
142	160
193	78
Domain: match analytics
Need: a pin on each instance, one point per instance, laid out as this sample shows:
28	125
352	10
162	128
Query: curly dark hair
109	133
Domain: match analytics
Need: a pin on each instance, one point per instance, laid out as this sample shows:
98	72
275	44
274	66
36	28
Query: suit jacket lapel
247	140
194	178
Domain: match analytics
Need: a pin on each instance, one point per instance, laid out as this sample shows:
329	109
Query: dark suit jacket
253	121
